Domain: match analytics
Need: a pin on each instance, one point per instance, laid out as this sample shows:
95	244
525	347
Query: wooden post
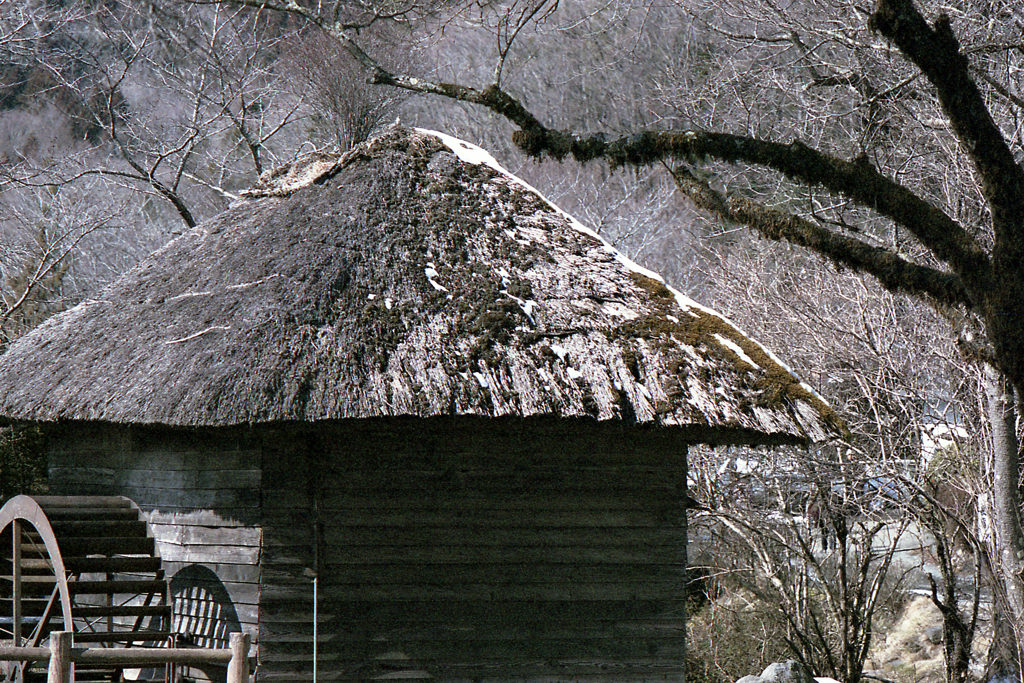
16	578
60	657
238	667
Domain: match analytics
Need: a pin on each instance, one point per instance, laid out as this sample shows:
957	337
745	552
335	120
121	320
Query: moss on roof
407	277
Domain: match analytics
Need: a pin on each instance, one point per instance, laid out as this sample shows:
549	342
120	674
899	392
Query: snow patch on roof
735	348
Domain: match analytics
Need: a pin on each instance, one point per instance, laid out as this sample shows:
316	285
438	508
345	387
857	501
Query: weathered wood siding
200	490
461	549
475	550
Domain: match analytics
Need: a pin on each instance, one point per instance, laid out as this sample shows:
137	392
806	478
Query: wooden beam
16	578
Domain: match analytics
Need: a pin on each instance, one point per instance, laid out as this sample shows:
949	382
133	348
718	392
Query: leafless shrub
343	107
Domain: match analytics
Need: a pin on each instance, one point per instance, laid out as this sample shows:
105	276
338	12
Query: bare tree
802	532
889	366
343	104
174	100
964	250
42	233
121	123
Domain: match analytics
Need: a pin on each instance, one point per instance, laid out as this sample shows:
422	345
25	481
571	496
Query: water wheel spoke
14	672
35	637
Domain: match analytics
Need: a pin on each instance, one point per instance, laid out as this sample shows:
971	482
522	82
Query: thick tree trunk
1006	524
957	634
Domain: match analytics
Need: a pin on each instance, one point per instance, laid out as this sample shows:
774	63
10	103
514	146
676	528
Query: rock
784	672
790	671
933	635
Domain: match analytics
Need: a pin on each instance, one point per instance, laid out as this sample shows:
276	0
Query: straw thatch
412	276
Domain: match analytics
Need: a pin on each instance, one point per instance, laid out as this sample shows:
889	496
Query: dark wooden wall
470	550
454	549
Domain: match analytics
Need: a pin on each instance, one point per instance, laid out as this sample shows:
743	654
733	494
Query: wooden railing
62	654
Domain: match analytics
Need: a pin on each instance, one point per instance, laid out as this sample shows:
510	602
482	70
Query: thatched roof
411	276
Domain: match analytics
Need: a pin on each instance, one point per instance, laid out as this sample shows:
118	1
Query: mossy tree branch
857	179
346	33
894	272
936	51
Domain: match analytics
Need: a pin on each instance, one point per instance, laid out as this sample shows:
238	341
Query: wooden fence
62	654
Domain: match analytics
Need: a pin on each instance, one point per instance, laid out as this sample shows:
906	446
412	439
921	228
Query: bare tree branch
512	23
892	271
936	51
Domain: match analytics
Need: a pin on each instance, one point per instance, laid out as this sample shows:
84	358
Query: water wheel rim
26	509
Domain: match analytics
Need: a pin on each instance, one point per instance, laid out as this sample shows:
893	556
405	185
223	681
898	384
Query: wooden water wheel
85	564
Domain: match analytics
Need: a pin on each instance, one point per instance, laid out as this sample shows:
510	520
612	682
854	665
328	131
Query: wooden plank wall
466	550
200	491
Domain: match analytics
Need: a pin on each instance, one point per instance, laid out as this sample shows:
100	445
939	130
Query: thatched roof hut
412	276
410	374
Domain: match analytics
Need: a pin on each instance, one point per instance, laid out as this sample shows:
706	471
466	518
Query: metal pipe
316	626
